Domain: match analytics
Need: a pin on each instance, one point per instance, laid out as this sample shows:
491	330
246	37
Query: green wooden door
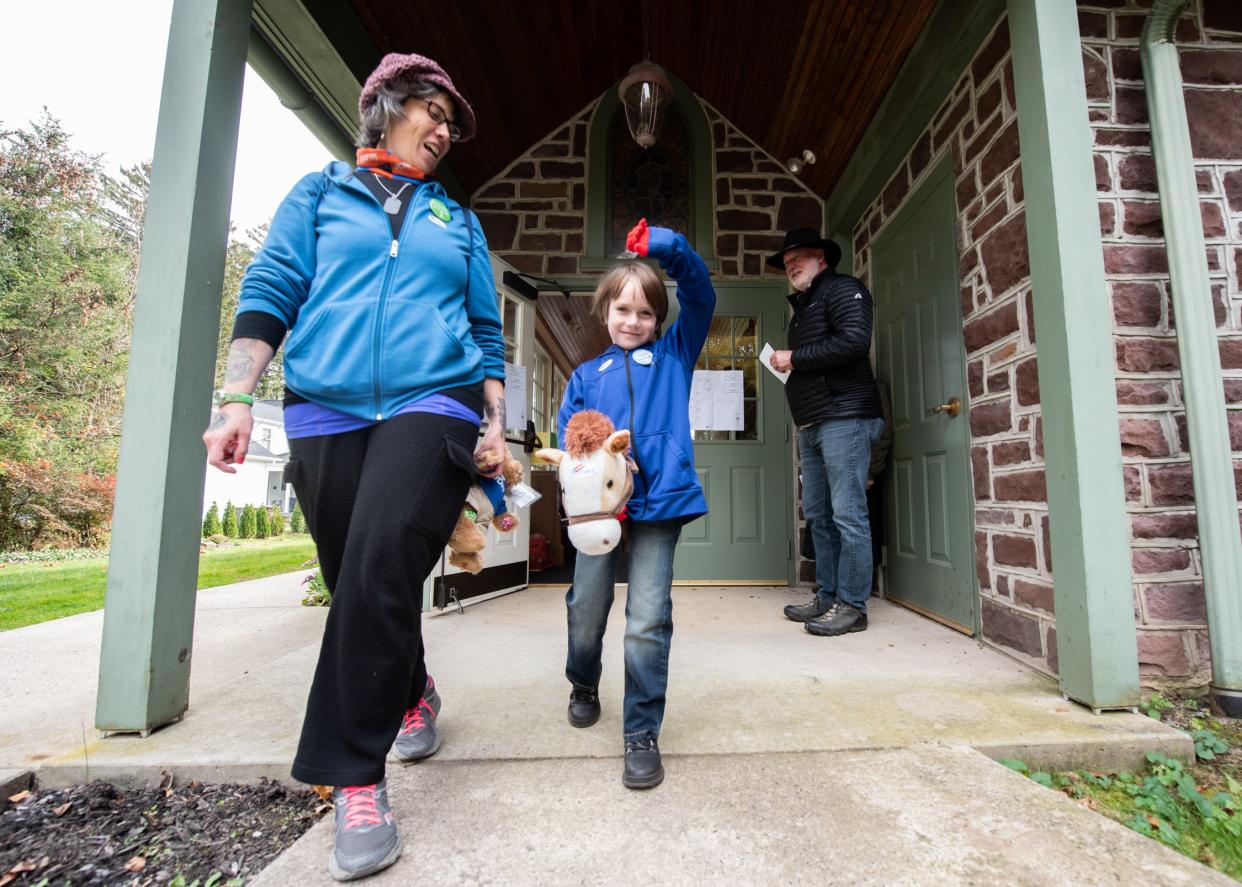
920	355
745	536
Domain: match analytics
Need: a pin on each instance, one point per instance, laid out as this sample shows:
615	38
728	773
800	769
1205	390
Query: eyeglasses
438	116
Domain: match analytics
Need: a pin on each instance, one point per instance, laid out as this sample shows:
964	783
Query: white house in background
260	480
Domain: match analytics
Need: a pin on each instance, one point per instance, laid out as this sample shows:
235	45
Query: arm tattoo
496	412
240	363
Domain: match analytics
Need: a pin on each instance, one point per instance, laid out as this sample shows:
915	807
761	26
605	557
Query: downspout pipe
1211	458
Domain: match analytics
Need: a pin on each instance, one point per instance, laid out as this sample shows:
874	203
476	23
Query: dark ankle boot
583	706
643	768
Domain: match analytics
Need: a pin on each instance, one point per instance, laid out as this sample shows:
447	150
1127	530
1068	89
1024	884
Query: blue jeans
835	457
648	621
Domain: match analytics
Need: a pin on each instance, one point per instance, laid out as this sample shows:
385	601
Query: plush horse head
595	478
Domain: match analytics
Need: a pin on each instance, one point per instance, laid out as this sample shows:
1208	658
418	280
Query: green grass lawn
31	593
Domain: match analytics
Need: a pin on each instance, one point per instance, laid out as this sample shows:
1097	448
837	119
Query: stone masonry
534	212
978	125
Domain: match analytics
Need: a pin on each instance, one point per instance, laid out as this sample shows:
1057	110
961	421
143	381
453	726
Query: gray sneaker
367	839
418	737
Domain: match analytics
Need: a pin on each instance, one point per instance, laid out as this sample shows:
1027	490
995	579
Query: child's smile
631	319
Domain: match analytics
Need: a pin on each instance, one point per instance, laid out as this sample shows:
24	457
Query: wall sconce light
644	92
796	164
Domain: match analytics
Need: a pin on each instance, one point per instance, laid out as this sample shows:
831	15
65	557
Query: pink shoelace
414	719
360	806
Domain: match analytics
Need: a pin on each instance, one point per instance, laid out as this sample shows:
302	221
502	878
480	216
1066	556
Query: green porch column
144	668
1097	645
1216	501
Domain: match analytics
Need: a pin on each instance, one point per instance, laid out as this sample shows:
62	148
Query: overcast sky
98	67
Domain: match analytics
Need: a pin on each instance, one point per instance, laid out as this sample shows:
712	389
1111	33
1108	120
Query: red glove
636	240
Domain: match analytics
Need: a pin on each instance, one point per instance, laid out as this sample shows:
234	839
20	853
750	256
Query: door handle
953	407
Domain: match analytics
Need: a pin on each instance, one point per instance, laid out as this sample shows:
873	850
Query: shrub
246	527
228	525
298	520
211	523
315	593
43	507
275	521
260	523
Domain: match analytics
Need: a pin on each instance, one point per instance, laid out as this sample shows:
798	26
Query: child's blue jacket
376	322
666	485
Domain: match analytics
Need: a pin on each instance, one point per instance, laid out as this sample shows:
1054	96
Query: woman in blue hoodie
642	383
394	353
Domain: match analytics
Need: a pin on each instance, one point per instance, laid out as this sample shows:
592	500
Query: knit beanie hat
396	65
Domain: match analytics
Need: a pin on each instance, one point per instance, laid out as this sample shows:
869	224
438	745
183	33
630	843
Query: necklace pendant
392	206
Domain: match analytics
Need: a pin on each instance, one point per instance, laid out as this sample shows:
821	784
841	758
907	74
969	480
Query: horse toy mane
585	432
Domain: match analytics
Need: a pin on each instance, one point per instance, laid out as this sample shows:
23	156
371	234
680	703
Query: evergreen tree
260	523
247	525
275	521
228	525
297	519
211	523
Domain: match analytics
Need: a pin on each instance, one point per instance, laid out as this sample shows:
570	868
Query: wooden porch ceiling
791	74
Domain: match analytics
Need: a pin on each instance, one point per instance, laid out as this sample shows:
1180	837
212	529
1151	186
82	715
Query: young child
642	383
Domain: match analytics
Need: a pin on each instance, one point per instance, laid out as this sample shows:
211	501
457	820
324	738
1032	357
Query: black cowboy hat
799	237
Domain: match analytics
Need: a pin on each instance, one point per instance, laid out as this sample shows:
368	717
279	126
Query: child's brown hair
615	280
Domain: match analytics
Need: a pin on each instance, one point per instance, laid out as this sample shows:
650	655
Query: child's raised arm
695	293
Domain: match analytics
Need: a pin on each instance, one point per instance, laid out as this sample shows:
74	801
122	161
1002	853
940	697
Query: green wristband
223	397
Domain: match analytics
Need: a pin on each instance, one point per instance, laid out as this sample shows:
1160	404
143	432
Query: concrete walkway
790	758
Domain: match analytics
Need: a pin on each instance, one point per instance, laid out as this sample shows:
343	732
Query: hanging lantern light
644	92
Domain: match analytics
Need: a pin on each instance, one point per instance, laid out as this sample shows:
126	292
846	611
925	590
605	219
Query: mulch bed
102	834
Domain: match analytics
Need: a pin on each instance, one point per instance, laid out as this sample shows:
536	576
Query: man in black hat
836	406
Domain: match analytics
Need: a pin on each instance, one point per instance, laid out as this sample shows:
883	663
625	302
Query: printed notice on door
716	401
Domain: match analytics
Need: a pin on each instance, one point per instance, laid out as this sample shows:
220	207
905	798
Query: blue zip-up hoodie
376	323
666	485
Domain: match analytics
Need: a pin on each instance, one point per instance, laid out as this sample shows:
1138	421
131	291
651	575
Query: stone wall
534	212
977	124
1168	582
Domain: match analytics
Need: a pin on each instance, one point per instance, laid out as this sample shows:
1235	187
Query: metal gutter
1211	457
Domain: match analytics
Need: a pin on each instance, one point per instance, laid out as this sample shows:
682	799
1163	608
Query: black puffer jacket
830	337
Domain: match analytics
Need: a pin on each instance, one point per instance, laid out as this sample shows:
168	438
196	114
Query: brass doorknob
953	407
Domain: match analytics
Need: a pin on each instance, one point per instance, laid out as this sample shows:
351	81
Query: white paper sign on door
716	401
517	400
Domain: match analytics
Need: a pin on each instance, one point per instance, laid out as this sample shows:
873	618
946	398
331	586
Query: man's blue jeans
648	621
835	457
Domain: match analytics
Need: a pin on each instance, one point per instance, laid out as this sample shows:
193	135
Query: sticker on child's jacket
605	365
643	356
435	221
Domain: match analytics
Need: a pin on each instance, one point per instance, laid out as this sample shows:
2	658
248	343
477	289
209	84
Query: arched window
671	180
651	184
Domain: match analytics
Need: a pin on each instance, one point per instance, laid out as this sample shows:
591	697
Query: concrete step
921	815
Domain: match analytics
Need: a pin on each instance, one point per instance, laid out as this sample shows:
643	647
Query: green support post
1097	645
144	668
1211	456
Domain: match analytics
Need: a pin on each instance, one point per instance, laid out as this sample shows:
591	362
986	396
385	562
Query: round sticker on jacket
643	356
440	211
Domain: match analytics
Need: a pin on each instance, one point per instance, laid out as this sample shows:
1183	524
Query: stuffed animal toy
485	506
596	480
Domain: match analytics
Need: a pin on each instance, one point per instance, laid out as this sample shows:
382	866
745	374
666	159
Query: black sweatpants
381	503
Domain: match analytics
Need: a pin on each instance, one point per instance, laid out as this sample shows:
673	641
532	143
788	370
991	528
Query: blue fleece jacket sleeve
571	403
695	293
482	309
279	278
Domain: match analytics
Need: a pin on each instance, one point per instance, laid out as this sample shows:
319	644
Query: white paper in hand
765	358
